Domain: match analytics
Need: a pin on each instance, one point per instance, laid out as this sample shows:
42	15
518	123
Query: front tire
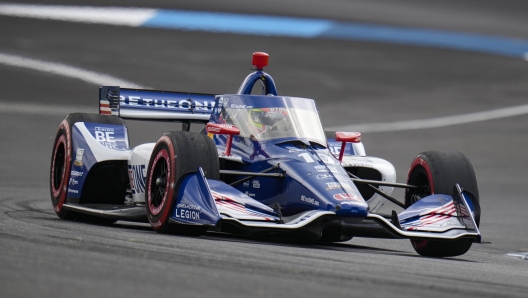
175	154
437	172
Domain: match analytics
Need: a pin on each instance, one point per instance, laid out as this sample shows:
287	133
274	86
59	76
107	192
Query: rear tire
62	158
175	154
438	171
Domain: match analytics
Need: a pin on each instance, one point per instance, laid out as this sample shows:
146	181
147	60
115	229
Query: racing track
354	82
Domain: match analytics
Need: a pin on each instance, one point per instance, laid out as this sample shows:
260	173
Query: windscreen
266	118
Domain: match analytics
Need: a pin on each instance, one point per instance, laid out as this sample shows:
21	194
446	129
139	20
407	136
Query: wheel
175	154
437	172
61	158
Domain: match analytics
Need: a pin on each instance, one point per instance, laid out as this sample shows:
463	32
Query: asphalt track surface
353	82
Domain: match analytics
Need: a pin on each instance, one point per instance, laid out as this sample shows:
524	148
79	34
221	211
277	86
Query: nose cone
333	186
352	209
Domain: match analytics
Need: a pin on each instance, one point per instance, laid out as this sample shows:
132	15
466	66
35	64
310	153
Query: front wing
224	208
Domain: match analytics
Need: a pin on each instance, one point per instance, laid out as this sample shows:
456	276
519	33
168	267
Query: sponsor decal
335	150
188	211
309	200
364	165
256	184
73	181
321	168
76	173
347	197
78	157
333	185
325	176
219	127
189	206
73	190
234	106
246	184
335	147
105	137
109	136
249	194
186	104
137	175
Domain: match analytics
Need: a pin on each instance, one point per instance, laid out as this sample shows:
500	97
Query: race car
262	166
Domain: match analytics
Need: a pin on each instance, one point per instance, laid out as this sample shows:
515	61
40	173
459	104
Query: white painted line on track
435	122
88	76
101	79
121	16
519	255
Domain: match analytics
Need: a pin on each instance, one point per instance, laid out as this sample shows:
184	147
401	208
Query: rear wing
155	105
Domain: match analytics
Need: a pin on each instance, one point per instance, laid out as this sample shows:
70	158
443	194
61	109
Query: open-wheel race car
262	166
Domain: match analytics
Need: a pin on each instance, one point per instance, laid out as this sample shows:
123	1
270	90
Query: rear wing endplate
155	105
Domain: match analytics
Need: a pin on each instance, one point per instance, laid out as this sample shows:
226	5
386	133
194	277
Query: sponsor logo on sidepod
137	175
78	157
105	136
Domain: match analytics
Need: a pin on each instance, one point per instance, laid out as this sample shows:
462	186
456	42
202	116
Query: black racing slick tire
62	158
175	154
437	172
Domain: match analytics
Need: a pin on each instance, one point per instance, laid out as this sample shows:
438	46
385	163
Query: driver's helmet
264	118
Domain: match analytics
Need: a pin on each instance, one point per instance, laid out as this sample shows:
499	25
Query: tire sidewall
163	152
418	167
58	196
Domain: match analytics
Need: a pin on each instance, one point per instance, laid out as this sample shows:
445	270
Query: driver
268	119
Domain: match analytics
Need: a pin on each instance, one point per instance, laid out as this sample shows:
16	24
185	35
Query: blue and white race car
262	166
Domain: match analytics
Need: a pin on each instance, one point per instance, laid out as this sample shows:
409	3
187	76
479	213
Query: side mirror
346	137
223	129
